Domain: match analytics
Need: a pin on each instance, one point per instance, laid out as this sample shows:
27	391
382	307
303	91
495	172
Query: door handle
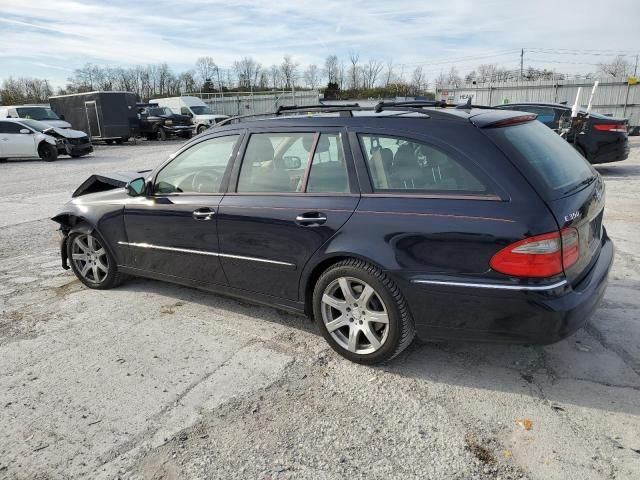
312	218
203	214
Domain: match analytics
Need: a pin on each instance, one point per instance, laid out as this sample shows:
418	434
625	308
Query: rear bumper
514	316
614	152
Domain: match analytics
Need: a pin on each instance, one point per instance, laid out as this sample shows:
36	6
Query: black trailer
108	116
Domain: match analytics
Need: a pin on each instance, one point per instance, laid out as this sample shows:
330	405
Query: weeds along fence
615	96
245	103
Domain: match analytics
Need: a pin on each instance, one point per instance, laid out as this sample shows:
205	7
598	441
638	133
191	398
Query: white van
42	113
201	116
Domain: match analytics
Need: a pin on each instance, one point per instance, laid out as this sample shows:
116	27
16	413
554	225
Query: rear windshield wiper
583	183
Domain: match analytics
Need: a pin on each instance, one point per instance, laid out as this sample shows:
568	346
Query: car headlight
169	122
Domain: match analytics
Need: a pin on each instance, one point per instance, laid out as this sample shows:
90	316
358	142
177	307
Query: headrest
260	148
323	143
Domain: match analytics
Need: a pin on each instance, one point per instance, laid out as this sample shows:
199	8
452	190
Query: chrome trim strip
203	252
168	249
535	288
254	259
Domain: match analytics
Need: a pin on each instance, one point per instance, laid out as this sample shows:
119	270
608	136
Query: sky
49	39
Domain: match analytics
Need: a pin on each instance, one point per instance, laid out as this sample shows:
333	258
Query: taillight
610	127
539	256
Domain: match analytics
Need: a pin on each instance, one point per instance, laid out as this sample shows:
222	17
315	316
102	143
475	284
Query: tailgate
583	210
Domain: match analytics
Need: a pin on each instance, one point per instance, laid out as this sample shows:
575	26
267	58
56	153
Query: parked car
106	116
42	113
467	224
25	138
599	138
201	116
160	123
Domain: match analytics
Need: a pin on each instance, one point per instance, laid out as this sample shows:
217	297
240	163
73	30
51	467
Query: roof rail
416	104
347	108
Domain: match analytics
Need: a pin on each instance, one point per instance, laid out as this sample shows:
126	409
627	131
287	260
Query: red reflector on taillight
538	256
512	121
610	127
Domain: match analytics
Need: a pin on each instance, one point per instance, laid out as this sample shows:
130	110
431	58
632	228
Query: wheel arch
313	272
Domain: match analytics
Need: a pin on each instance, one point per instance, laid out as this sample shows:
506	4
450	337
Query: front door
16	144
93	120
173	231
293	194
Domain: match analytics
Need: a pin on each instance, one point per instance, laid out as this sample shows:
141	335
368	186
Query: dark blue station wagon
459	223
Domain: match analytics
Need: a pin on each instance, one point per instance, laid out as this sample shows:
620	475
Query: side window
328	169
10	127
199	169
185	111
401	165
275	162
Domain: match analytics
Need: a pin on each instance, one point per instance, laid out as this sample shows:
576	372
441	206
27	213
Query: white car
201	116
42	113
24	138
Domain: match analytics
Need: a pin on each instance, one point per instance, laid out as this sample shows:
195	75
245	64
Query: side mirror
25	131
136	187
292	163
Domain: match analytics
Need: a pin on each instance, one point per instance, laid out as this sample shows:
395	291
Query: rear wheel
201	128
91	262
47	152
362	313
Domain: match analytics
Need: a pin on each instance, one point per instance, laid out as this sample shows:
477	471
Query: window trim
225	177
356	135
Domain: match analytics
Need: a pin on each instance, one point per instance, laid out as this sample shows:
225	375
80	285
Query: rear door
292	192
572	189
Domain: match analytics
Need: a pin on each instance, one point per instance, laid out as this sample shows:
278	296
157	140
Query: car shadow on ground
618	171
594	368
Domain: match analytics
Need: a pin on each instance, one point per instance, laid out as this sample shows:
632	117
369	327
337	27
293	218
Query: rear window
549	162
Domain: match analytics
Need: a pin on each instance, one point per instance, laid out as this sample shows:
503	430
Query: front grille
78	141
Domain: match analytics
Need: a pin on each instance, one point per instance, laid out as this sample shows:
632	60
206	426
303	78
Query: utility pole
521	63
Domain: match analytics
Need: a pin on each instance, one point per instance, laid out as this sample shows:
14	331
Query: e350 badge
571	216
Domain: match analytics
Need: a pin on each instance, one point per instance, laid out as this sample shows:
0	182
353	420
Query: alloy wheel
355	315
90	258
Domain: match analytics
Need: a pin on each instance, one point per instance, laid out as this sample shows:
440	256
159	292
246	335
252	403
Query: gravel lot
155	381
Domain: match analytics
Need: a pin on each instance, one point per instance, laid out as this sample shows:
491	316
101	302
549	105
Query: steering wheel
198	181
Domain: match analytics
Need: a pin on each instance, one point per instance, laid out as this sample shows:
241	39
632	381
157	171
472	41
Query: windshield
37	113
199	110
160	111
551	163
35	125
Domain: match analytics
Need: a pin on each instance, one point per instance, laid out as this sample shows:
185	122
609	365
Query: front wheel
91	262
361	312
47	152
201	128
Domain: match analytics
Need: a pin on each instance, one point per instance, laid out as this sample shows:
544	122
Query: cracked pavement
156	381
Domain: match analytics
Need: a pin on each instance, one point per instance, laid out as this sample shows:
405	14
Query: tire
109	142
162	135
201	128
98	265
120	141
47	152
352	336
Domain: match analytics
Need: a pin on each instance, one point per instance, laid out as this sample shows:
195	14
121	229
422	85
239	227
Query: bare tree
388	74
618	67
441	80
289	71
370	72
207	69
312	76
453	78
248	71
341	75
331	69
275	77
418	80
25	90
354	70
